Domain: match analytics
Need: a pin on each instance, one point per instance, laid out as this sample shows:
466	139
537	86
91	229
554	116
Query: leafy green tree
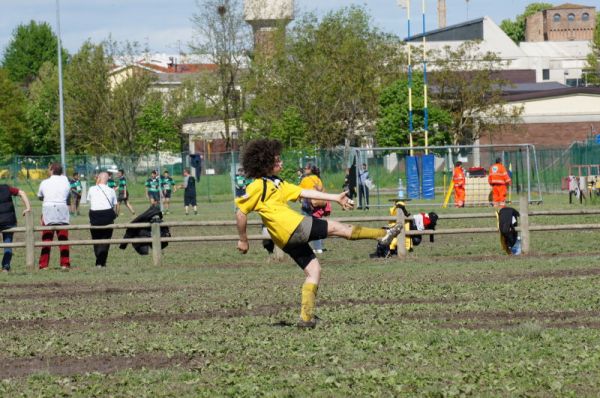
330	72
89	122
469	87
393	121
42	113
13	121
158	130
592	69
516	29
30	47
224	37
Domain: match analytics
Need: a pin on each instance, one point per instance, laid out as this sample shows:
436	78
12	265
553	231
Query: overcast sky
165	24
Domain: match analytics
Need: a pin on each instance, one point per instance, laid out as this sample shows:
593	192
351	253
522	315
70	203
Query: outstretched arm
25	200
341	198
242	222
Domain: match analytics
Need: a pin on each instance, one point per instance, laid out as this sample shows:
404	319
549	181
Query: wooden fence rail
30	244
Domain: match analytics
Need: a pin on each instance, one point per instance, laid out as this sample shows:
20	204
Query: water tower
267	17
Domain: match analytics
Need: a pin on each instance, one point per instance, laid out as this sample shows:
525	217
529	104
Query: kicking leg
356	232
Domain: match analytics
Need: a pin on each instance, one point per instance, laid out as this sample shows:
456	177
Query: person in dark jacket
8	218
189	195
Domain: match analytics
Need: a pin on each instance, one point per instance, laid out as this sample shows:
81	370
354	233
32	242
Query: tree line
326	81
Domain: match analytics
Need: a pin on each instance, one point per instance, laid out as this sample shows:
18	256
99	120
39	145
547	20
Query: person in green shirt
76	190
241	182
167	185
153	188
111	181
123	192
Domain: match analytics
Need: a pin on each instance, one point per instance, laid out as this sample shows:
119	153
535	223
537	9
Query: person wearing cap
499	180
153	188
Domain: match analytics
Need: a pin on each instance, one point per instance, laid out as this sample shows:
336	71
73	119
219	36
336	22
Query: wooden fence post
524	211
156	245
29	241
401	238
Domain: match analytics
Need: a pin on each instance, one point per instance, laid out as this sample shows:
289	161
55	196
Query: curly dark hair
258	158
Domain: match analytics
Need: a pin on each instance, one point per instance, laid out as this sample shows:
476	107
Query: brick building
552	118
567	22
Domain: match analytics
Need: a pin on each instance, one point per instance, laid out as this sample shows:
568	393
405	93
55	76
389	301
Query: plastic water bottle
516	249
401	191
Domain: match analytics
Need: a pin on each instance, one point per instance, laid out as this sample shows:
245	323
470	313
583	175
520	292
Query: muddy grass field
456	318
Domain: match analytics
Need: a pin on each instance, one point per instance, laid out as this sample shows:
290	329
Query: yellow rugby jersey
311	182
269	199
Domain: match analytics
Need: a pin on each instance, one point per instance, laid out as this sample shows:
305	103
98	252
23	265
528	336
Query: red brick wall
216	146
552	135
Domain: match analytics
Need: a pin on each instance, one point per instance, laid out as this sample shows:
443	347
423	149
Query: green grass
456	318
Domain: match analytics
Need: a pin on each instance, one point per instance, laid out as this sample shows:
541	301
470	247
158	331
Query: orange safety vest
458	177
498	175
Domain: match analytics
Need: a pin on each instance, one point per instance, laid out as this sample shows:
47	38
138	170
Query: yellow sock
366	233
309	294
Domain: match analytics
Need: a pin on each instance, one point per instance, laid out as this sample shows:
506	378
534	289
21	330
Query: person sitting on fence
54	192
103	202
76	189
268	196
153	188
8	218
123	192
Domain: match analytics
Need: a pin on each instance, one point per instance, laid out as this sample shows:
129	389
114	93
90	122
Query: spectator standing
458	178
153	188
499	180
54	192
167	184
312	180
103	203
76	189
350	182
363	187
111	183
123	192
8	218
240	183
189	196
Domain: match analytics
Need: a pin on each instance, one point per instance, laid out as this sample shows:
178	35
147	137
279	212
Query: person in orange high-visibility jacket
458	177
499	179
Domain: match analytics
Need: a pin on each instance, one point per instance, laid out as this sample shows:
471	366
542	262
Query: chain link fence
535	171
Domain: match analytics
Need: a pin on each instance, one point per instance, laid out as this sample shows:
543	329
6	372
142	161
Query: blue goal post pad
412	177
428	164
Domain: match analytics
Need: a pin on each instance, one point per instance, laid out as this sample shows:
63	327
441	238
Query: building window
585	16
571	17
556	18
545	74
574	82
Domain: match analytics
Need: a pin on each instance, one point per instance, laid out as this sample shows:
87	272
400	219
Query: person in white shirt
54	192
103	202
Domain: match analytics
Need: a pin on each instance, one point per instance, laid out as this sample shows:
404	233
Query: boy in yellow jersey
268	196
